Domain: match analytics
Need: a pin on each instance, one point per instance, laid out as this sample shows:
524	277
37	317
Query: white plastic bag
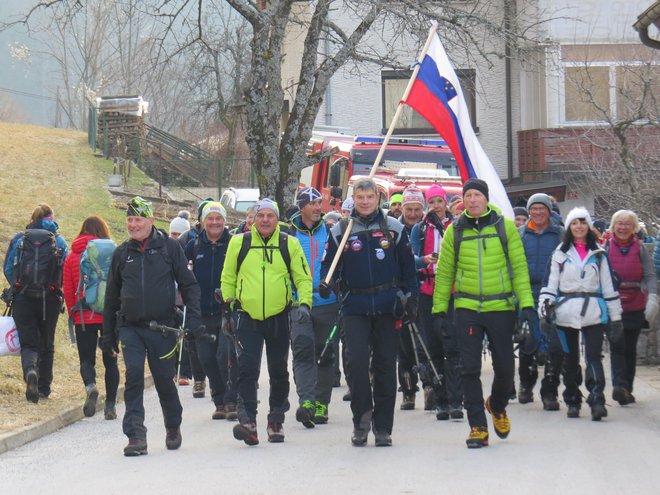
9	344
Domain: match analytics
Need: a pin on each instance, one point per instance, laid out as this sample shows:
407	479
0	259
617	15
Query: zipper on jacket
481	281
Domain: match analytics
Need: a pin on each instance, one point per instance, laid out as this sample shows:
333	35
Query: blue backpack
94	266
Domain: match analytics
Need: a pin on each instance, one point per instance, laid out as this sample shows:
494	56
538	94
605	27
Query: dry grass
55	166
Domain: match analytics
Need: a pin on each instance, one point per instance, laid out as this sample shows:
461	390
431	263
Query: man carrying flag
437	96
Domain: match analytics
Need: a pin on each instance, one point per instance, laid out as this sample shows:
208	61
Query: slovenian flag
437	96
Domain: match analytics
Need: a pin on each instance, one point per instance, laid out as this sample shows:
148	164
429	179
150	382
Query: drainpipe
328	89
509	8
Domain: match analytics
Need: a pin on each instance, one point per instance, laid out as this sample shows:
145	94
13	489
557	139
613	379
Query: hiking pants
160	349
36	320
452	379
213	357
375	335
594	375
434	344
252	335
324	318
471	328
87	342
623	354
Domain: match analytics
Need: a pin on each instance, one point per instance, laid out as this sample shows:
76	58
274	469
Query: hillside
55	166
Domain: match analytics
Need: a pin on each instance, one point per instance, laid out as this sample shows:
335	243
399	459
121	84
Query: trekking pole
181	344
324	359
437	378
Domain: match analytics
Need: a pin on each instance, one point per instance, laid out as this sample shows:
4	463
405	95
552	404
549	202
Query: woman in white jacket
581	294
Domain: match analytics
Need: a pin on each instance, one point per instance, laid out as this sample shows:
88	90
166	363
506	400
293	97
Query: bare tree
360	33
618	154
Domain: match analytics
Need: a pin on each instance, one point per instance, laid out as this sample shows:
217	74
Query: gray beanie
541	198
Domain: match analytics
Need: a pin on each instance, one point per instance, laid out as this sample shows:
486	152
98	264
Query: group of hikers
415	294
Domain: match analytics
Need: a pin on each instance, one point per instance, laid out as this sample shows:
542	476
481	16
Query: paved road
546	453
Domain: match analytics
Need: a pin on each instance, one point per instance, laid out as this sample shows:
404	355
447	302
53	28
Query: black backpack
39	267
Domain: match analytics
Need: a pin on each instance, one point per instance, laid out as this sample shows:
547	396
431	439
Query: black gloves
108	344
529	316
300	314
411	309
325	289
614	331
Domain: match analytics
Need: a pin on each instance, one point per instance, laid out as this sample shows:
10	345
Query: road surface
546	453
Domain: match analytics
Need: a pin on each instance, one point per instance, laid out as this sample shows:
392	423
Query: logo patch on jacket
380	254
356	245
384	243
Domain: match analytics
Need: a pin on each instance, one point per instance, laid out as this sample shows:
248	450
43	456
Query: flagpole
381	151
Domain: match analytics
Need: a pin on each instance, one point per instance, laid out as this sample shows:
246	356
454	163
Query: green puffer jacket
481	280
263	283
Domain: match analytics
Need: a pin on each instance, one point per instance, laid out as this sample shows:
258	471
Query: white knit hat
179	225
576	213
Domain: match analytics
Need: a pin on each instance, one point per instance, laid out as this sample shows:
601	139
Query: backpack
94	266
247	245
38	265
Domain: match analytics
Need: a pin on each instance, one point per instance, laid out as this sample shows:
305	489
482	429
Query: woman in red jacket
87	335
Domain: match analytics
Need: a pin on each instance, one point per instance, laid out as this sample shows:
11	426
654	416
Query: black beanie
519	210
478	184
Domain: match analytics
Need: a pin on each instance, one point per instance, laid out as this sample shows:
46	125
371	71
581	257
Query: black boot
573	411
598	412
32	388
383	438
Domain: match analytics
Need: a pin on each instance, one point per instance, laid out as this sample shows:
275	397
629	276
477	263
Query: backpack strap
501	233
246	245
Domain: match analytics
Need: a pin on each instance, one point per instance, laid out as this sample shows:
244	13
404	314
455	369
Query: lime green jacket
481	278
263	284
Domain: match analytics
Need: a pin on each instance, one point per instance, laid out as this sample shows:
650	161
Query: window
394	83
622	91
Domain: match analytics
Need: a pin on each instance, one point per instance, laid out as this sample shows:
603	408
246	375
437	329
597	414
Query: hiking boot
347	397
621	395
321	414
275	432
477	438
199	389
550	404
32	388
631	398
525	396
383	438
230	409
408	402
500	421
89	408
442	413
135	447
247	432
173	438
109	411
573	411
220	412
456	413
305	414
429	399
359	437
598	412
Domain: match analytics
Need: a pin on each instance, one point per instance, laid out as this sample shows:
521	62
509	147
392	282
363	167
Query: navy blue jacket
538	249
208	259
373	269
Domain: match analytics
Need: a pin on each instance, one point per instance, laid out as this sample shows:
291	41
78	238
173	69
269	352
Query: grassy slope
55	166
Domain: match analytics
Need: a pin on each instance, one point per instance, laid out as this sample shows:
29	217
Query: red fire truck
342	158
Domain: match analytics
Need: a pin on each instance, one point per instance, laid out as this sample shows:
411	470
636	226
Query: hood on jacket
80	243
50	225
